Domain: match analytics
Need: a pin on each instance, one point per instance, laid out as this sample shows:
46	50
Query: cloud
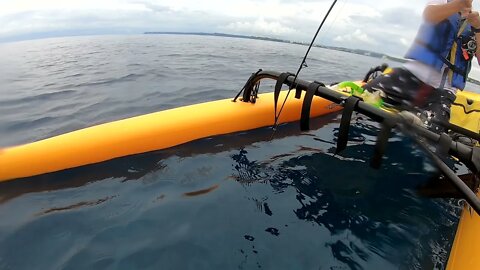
259	27
385	26
402	17
154	7
356	37
144	17
404	42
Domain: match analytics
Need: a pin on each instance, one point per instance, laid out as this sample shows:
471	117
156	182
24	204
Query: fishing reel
469	46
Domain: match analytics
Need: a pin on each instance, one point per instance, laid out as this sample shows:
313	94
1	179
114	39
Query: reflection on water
138	166
77	205
369	213
201	192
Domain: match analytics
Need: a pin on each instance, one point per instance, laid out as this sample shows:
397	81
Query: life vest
439	45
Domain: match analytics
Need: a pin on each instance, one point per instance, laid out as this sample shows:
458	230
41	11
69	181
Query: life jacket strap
453	53
449	64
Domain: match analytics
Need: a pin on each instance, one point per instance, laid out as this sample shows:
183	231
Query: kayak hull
148	133
465	111
465	252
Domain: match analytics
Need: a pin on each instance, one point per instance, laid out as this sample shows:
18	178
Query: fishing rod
302	64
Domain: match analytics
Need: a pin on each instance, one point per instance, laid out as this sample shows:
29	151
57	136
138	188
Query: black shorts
405	91
402	88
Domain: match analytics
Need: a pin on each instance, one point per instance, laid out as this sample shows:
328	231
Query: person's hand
474	19
464	6
465	3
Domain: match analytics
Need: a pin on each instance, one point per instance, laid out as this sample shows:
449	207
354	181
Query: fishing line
302	64
330	25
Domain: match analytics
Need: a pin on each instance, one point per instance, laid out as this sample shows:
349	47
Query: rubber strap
342	138
307	104
443	145
298	92
381	145
278	87
476	158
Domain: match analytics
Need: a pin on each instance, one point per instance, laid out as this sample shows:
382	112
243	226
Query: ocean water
238	201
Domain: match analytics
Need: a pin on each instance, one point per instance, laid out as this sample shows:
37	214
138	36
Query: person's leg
407	92
402	89
437	109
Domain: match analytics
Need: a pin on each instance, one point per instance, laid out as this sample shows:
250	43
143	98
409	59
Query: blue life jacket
433	47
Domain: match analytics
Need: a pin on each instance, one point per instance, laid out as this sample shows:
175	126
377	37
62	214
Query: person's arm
477	53
434	13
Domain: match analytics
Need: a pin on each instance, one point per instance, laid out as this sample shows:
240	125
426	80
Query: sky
385	26
381	26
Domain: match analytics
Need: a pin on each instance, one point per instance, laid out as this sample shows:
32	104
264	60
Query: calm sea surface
230	202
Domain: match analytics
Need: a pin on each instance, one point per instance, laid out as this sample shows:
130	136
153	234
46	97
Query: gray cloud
401	16
36	22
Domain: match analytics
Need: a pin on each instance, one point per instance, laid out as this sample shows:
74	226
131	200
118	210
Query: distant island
354	51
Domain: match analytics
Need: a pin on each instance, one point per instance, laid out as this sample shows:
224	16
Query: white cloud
404	42
9	7
259	27
356	37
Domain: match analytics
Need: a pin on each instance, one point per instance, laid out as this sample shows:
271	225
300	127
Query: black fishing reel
469	45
